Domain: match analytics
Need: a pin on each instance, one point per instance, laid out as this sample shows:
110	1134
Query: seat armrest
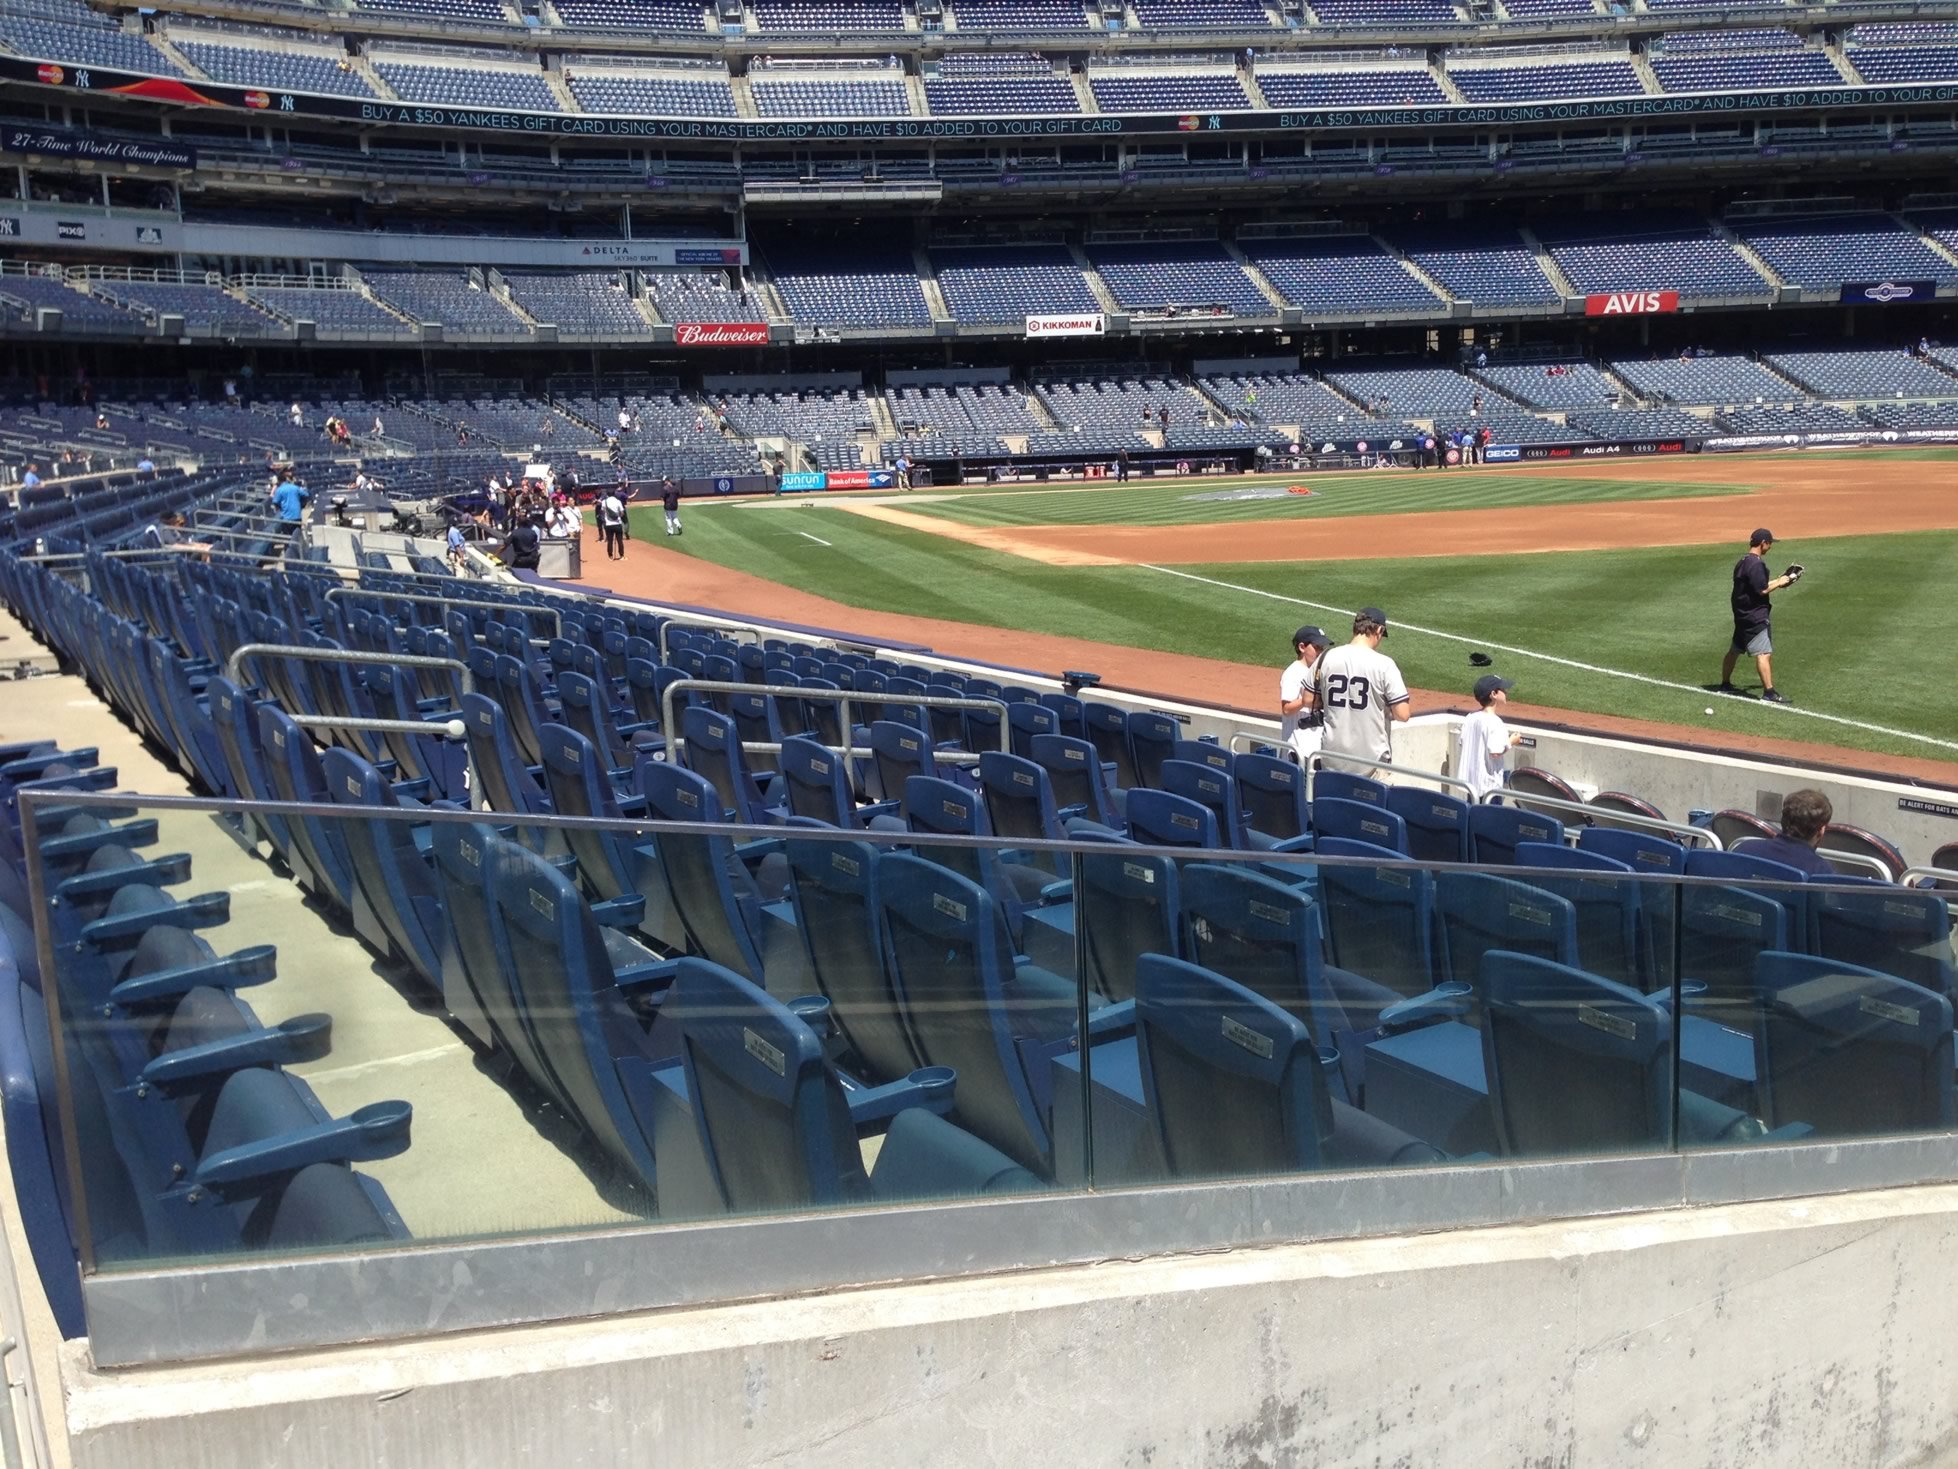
1111	1020
206	910
378	1130
622	912
1303	843
255	965
653	974
412	790
930	1087
141	833
869	813
1444	1002
926	1157
762	847
157	874
302	1038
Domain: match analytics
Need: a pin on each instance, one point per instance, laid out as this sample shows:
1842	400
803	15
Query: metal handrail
236	662
1319	757
1876	865
198	510
675	743
556	616
1940	875
707	623
1701	834
448	729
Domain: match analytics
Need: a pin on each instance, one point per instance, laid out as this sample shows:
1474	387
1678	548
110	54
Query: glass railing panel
305	1027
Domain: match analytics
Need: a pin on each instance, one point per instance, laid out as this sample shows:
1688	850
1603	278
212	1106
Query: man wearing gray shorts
1752	634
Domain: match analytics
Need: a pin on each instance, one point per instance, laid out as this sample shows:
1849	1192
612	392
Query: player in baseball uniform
1361	695
1299	718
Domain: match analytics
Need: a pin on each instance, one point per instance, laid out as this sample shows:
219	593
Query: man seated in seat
1805	815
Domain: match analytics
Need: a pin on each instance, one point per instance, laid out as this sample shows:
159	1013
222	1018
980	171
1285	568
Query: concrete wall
1802	1333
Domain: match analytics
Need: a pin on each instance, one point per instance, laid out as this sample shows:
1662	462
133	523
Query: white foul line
1661	683
807	537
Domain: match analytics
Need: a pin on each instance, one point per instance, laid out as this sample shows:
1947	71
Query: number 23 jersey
1358	688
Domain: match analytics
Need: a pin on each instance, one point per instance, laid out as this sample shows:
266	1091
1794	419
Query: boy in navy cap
1297	699
1486	740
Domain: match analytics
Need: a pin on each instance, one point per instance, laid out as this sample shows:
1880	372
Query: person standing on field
670	498
1753	585
1361	695
1300	721
611	520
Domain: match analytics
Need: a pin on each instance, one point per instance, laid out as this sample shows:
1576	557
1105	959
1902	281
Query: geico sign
1631	303
1092	324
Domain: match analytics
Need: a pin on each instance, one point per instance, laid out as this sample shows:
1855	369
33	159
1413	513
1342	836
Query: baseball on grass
1709	708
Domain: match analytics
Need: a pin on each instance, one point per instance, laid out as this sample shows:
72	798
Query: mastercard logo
51	74
257	99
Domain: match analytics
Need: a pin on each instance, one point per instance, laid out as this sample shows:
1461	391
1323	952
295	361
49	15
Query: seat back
388	870
1359	821
1264	934
772	1120
318	847
1019	800
1527	781
1160	819
1478	912
1733	827
1906	933
1202	752
1074	774
1331	783
1152	738
713	750
899	751
1611	939
833	886
1379	919
1854	840
1125	905
1025	722
1722	931
1107	729
565	995
1850	1051
1494	832
1575	1063
1212	787
945	950
1437	823
700	870
1230	1081
816	788
1272	793
501	779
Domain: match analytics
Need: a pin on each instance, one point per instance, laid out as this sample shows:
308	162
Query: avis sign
720	334
1631	303
1081	324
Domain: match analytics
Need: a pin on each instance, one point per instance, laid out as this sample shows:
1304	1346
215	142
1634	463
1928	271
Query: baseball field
1600	588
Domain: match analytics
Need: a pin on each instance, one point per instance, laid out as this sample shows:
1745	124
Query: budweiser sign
721	334
1082	324
1631	303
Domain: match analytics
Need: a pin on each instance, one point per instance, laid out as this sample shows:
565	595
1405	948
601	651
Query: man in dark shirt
1805	816
524	543
1752	635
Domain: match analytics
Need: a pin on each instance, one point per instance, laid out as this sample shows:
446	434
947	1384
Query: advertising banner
849	479
1613	450
1631	303
721	334
1080	324
1889	293
801	479
73	143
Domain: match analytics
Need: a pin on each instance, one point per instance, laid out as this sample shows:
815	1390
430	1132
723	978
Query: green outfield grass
1385	492
1866	637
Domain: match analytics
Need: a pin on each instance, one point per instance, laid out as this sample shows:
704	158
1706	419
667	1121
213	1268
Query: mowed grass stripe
1844	647
1332	496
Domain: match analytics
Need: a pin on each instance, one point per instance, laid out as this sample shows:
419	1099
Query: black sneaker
1723	688
1774	696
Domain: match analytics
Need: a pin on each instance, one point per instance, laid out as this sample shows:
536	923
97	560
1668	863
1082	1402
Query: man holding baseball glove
1752	588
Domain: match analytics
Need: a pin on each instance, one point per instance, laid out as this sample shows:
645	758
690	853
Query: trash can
560	558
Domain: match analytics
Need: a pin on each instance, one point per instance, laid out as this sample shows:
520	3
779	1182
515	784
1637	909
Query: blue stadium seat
1495	831
1437	823
1234	1085
1611	938
1273	793
1849	1051
971	1008
1360	821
